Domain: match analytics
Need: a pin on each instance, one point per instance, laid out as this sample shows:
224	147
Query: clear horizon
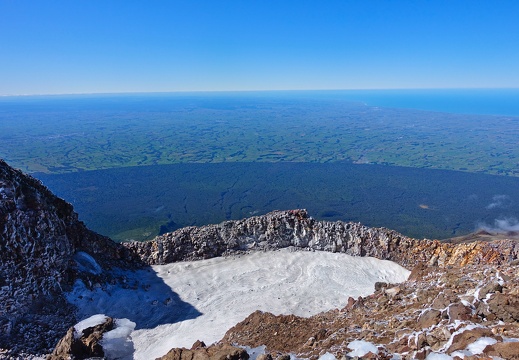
257	91
62	47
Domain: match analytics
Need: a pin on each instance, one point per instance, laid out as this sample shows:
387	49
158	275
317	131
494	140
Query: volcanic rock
40	235
214	352
87	345
296	228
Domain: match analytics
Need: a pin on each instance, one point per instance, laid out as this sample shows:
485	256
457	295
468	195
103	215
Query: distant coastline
497	101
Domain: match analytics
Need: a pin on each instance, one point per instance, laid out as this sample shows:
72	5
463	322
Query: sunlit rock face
281	229
40	237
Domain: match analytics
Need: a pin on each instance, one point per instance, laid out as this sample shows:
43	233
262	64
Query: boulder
213	352
84	346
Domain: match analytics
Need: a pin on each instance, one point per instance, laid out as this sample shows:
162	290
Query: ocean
460	101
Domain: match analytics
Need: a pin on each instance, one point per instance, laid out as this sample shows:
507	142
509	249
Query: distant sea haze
460	101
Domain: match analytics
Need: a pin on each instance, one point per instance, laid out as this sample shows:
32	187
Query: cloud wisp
499	201
502	225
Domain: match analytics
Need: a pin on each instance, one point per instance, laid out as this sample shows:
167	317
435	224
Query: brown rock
458	311
428	318
264	357
380	285
507	350
418	272
490	288
65	347
213	352
437	337
198	345
504	307
349	305
393	292
461	340
88	345
283	357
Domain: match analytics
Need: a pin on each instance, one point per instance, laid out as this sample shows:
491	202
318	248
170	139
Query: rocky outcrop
199	351
43	249
281	229
82	346
450	310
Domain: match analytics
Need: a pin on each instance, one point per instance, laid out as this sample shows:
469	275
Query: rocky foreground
42	252
458	293
462	299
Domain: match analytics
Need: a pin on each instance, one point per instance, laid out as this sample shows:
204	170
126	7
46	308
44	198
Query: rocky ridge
43	249
296	228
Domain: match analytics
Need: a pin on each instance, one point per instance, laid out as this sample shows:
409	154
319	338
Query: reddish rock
458	311
505	307
505	350
428	318
462	340
214	352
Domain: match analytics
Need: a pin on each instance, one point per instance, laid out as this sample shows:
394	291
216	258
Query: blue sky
80	46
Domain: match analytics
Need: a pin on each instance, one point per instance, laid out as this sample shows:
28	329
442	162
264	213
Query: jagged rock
504	350
85	346
280	229
504	306
429	318
198	345
458	311
214	352
461	340
39	236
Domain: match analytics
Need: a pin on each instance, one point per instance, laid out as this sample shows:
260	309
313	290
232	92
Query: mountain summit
461	298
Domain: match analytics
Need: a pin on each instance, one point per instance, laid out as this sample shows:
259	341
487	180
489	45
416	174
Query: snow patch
328	356
361	348
438	356
254	352
480	344
117	343
92	321
87	263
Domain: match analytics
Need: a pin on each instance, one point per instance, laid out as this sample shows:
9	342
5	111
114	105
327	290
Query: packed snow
91	321
361	348
176	304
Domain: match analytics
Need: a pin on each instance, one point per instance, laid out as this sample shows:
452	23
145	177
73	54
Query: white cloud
501	225
499	201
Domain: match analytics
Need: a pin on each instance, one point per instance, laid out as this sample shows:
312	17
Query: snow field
218	293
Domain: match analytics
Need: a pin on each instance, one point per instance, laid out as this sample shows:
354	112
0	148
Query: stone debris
199	351
411	325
